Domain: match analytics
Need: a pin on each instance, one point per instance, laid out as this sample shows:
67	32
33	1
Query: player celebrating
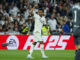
39	21
75	12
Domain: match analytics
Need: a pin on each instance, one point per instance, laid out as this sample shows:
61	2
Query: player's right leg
31	50
32	47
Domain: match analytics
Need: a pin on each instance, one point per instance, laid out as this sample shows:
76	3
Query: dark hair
41	9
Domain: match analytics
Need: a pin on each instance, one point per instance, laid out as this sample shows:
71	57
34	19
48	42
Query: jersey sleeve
34	14
44	21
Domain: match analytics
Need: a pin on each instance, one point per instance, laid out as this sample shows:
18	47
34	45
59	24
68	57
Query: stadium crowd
15	17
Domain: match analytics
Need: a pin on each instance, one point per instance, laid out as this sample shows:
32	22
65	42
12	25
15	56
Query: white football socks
31	50
42	50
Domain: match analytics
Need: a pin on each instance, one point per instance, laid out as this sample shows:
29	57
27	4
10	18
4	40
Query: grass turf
22	54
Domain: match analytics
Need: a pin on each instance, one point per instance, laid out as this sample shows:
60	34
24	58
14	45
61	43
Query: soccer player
75	12
39	19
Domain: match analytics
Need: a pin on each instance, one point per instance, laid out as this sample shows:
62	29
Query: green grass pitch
22	54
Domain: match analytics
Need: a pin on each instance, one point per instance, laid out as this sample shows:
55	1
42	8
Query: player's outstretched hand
35	5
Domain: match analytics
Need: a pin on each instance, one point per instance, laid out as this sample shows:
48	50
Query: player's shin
76	49
79	46
31	50
42	50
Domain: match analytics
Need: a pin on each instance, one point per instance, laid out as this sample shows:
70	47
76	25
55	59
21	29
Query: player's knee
41	42
34	43
79	46
76	47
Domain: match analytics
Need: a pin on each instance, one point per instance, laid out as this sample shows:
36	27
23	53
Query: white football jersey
39	21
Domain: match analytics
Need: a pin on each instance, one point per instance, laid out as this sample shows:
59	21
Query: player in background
39	20
75	12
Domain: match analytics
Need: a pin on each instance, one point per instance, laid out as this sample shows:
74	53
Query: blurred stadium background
16	20
15	17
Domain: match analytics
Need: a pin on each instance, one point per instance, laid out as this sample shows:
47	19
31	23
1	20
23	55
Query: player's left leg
32	46
42	49
77	57
41	45
76	48
76	43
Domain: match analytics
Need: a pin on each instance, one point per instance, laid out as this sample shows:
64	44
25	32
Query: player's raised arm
31	11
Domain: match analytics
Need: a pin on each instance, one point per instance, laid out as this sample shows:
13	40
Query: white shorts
37	37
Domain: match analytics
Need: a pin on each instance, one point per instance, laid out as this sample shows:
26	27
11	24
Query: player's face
41	13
